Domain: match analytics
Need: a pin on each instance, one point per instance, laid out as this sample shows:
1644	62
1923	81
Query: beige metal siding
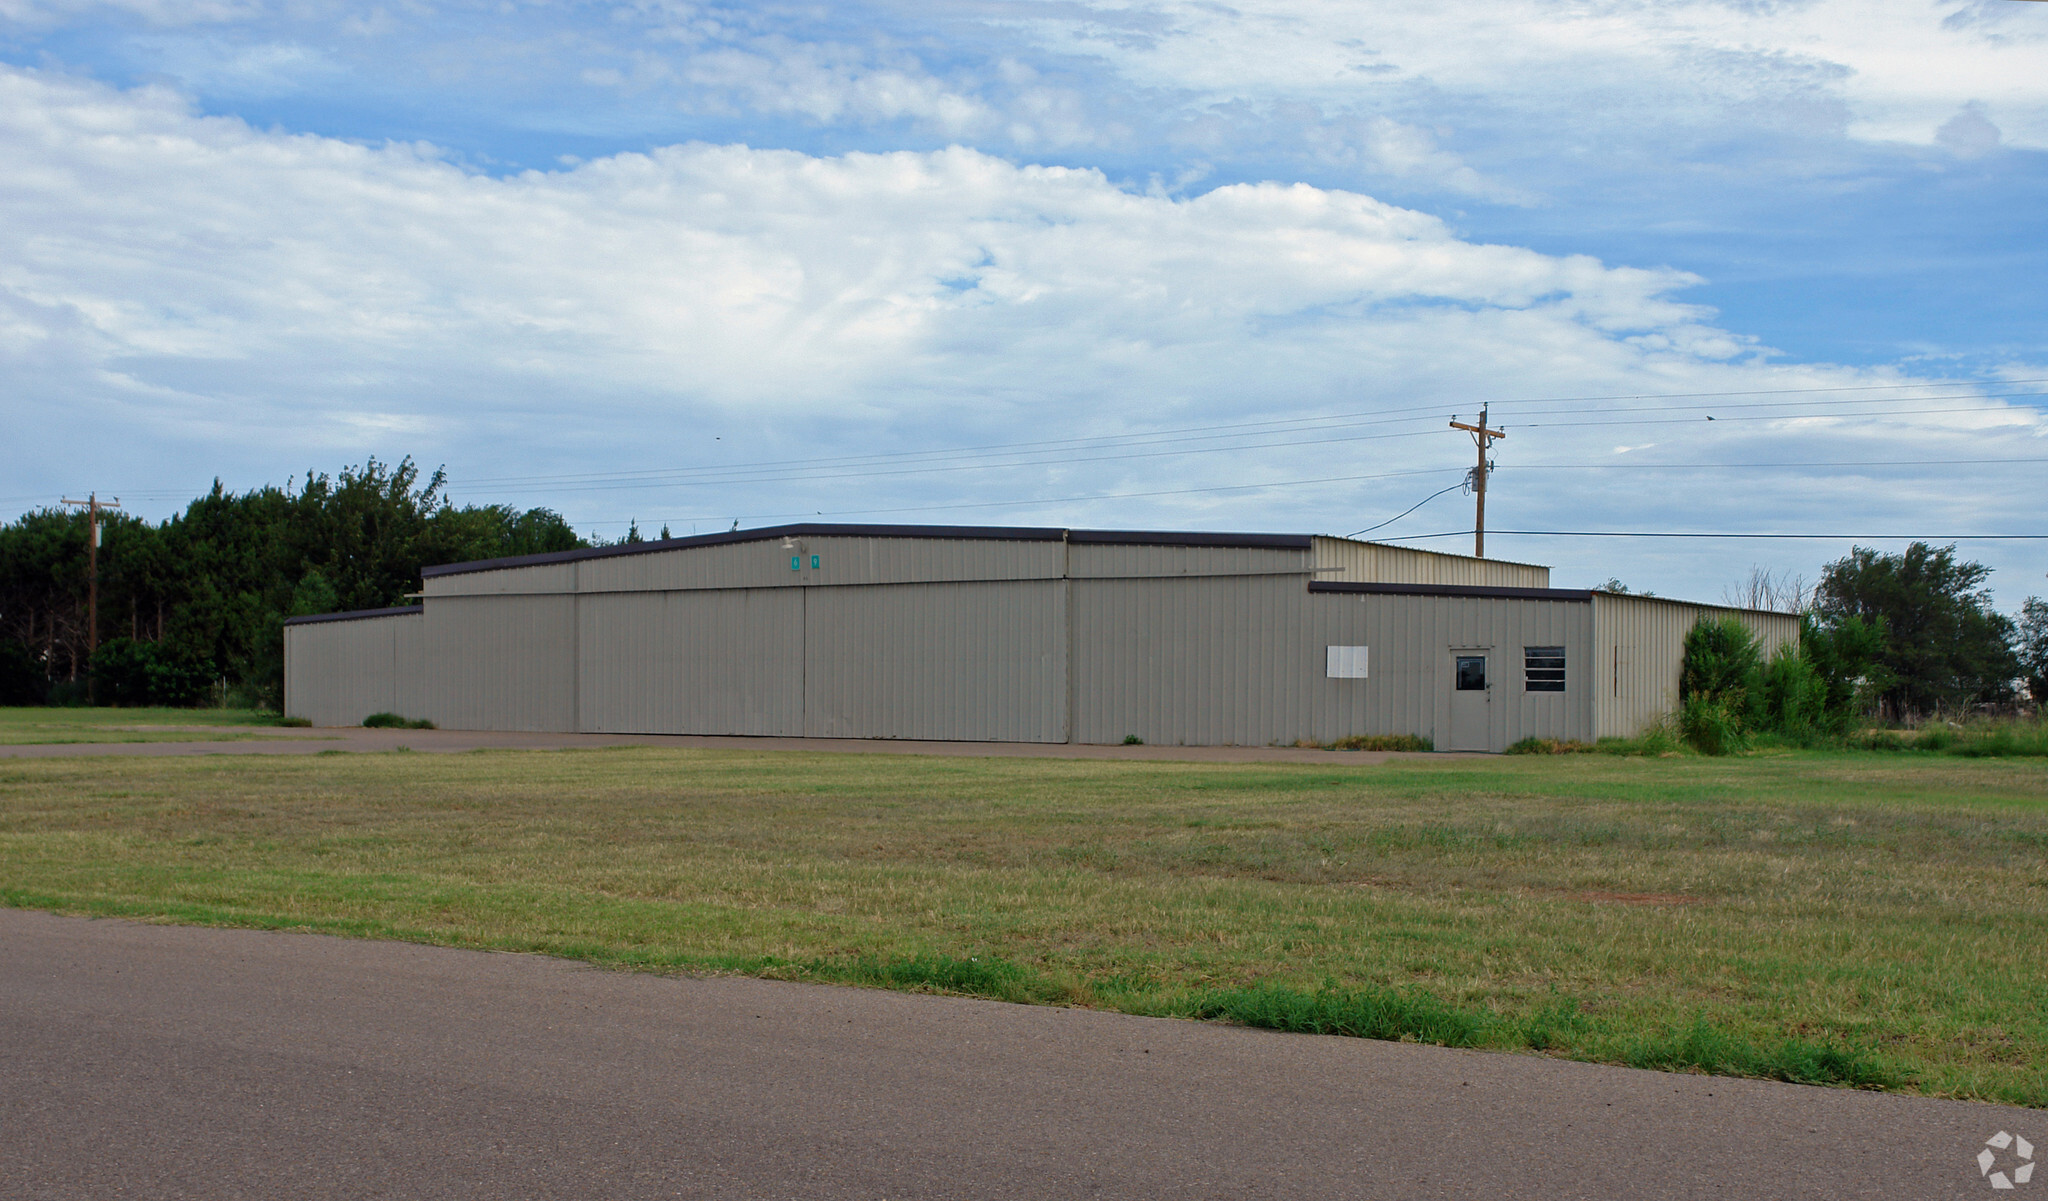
981	661
501	662
1198	662
1413	640
508	581
1091	560
1240	661
409	665
702	662
1342	560
1640	642
766	564
336	673
855	561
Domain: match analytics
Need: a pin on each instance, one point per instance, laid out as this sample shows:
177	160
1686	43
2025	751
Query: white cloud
155	12
1968	134
832	85
181	294
1891	72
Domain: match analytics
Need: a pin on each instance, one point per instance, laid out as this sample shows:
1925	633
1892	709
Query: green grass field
24	726
1850	918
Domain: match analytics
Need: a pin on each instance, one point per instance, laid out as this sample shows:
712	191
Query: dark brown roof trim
1483	590
980	533
353	615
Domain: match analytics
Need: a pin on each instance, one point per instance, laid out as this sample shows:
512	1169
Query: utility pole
1482	437
92	505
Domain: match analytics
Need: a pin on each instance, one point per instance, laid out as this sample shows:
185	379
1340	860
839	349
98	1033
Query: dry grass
1873	907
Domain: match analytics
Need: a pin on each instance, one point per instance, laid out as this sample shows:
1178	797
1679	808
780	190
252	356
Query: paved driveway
153	1061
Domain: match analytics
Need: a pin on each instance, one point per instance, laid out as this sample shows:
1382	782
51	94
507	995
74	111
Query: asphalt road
156	1061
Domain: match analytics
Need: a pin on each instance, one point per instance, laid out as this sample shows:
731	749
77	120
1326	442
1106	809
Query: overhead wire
1714	534
1253	437
1237	429
732	477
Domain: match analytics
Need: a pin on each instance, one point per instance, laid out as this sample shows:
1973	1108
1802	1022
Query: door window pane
1471	673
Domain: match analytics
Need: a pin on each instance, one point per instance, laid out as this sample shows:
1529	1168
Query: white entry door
1471	700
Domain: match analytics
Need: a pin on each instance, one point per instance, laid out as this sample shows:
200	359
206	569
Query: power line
1418	504
1714	534
730	477
1245	429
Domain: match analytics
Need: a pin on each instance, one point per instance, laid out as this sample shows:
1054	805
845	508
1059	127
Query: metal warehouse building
999	634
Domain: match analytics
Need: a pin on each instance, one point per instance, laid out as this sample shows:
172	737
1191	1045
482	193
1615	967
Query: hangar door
966	661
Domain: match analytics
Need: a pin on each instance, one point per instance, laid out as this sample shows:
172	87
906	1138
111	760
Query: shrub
69	694
1133	740
392	721
1712	726
298	722
1382	742
22	681
1792	698
1721	662
128	672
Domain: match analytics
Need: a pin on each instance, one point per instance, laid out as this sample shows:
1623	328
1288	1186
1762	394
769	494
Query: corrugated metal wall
1240	661
1018	639
1640	642
336	673
767	564
727	661
1128	561
945	661
517	581
1342	560
501	662
1414	639
1204	661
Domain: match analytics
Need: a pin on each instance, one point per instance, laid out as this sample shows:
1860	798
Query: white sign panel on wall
1346	663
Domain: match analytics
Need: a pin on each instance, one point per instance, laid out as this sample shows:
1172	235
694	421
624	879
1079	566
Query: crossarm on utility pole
1482	437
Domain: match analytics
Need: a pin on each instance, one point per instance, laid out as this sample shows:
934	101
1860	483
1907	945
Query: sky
1715	266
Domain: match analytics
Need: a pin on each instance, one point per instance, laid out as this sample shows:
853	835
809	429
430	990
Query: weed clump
1704	1048
1418	1016
1381	742
1362	1013
1533	745
392	721
975	976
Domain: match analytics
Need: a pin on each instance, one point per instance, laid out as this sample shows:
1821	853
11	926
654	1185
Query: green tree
1720	685
2033	648
204	595
1944	644
43	589
1846	655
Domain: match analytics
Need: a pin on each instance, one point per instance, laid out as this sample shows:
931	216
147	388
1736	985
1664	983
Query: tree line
192	608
